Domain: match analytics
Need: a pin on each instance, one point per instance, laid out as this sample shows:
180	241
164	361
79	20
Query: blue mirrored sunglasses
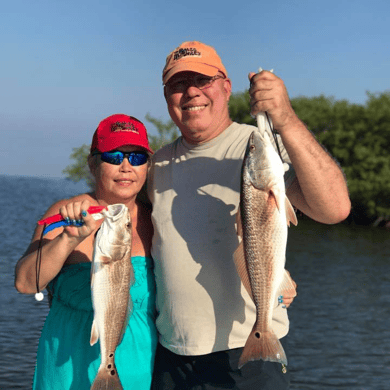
116	157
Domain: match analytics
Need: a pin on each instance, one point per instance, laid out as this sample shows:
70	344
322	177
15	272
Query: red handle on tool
58	217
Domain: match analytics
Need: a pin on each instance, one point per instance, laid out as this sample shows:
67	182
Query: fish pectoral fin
288	286
239	222
105	259
242	270
94	333
290	213
274	195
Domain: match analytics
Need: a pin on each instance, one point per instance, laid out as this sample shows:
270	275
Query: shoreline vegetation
356	135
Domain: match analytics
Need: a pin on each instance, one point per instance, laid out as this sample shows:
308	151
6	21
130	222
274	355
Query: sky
66	65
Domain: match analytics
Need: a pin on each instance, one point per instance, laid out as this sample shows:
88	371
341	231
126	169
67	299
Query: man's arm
320	190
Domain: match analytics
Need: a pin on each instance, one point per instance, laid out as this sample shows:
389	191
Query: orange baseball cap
193	56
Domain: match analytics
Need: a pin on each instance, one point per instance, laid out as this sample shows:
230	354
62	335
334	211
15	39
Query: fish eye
252	147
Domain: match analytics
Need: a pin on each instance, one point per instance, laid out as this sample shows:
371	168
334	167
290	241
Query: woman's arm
57	245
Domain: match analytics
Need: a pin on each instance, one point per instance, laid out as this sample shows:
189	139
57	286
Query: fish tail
262	345
107	379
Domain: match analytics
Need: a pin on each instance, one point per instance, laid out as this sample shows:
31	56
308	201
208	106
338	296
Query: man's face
200	114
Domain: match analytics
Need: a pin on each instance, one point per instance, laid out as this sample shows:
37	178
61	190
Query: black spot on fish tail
113	372
258	335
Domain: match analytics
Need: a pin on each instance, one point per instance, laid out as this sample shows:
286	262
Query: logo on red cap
124	126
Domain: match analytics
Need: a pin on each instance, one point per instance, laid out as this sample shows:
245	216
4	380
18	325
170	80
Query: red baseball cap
193	56
119	130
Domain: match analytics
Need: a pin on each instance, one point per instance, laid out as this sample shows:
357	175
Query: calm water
23	200
339	337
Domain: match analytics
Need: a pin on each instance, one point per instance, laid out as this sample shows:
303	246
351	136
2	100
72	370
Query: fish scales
112	277
262	222
259	235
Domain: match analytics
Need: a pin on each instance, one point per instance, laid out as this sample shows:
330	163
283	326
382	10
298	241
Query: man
204	313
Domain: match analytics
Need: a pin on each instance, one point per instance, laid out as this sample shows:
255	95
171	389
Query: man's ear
228	87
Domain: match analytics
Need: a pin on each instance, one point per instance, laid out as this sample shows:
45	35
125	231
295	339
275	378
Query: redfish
264	215
111	278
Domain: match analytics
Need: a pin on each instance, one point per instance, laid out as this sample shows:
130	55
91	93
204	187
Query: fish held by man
111	278
262	220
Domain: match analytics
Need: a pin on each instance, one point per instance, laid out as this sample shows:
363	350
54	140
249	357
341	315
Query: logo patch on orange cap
184	52
124	126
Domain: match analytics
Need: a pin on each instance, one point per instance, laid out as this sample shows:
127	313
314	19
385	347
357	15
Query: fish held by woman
262	220
111	278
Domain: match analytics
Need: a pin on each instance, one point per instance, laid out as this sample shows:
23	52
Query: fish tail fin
107	379
262	345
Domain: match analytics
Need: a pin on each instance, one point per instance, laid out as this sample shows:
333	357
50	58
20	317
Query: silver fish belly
111	279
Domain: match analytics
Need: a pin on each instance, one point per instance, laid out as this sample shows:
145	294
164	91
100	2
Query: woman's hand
288	297
77	212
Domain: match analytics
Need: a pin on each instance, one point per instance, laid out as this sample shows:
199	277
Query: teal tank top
65	358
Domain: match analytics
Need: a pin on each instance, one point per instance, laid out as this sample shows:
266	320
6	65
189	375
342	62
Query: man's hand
268	93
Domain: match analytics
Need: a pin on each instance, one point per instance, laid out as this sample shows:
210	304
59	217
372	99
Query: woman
118	160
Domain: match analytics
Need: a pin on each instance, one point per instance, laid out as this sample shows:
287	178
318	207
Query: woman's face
120	182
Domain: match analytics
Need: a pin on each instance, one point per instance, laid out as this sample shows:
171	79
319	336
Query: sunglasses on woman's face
116	157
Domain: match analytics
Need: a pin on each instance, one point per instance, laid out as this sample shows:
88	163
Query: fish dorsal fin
290	213
242	270
287	287
94	333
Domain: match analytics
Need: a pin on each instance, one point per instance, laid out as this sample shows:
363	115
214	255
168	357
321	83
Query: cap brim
119	142
191	67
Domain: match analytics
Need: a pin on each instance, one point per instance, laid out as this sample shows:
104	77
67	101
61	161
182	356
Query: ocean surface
339	333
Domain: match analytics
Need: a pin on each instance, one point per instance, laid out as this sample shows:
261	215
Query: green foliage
358	136
239	108
78	170
167	132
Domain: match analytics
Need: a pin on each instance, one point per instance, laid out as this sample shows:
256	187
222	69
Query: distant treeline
358	136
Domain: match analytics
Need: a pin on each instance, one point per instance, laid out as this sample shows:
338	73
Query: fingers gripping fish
264	125
264	215
111	279
56	221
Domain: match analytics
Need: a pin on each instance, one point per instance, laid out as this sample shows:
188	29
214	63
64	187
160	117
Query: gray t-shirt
195	191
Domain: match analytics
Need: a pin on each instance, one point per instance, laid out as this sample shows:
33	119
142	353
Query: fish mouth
116	210
257	139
